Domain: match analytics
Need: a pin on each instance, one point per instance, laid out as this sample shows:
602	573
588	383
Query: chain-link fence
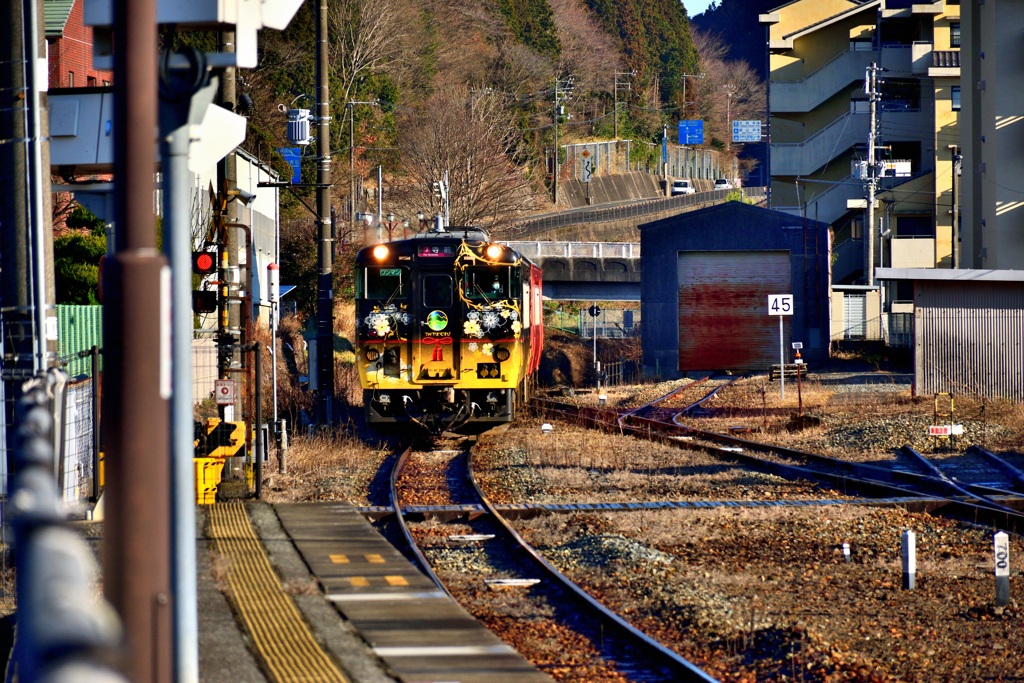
612	323
78	456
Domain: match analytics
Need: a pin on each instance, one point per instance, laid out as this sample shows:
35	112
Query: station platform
318	595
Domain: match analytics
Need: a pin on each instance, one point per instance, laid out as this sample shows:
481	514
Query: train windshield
490	283
389	284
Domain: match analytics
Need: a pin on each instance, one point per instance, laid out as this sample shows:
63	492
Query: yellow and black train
448	329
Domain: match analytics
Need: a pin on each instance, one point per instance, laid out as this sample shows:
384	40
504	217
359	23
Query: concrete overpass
589	271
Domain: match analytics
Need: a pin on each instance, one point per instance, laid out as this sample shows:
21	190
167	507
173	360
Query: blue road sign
691	132
746	131
293	155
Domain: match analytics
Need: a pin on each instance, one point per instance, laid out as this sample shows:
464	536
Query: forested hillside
467	86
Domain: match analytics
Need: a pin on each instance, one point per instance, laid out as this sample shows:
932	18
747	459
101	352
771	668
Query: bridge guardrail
634	210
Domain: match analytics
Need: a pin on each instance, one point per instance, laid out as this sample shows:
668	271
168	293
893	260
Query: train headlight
501	354
372	354
493	251
380	252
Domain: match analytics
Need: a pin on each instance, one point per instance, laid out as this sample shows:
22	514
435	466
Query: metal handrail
820	132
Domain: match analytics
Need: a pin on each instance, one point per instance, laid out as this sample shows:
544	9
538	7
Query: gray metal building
968	335
706	279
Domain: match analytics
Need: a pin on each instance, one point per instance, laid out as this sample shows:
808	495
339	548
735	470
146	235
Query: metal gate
855	311
723	309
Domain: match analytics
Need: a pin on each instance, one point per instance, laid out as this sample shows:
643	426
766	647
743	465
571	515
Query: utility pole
729	90
560	92
325	287
957	161
626	85
15	292
872	179
137	366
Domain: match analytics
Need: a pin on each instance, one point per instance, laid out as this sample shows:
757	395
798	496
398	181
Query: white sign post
781	305
1002	556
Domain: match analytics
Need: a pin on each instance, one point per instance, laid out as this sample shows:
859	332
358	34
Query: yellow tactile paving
360	581
373	558
339	559
396	580
280	636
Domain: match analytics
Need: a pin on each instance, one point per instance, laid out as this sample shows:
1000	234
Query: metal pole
869	229
325	287
257	463
782	361
179	108
95	357
136	334
554	177
380	195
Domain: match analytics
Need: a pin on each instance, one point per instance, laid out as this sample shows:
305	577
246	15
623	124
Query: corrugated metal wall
723	309
969	338
80	328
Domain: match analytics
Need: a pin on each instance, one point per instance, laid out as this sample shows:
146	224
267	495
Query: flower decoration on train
487	348
383	321
472	329
517	327
473	346
491	319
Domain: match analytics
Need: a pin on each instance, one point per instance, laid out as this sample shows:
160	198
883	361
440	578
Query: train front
439	328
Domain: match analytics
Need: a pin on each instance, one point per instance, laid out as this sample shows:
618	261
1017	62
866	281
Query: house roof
752	214
56	13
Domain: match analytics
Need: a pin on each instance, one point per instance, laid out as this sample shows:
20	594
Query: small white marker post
1002	556
846	552
781	305
908	554
601	400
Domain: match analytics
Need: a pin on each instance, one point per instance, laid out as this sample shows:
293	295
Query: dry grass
325	467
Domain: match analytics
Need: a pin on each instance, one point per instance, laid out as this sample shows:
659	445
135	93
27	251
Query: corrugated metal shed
56	13
80	328
739	229
968	331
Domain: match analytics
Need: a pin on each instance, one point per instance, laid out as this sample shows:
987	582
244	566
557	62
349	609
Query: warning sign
224	392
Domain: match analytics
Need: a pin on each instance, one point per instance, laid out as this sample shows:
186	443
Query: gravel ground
764	594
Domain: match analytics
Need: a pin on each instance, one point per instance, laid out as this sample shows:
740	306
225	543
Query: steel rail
1009	470
851	474
396	505
655	402
952	485
686	669
700	402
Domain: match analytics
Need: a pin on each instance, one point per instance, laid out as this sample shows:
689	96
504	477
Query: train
449	329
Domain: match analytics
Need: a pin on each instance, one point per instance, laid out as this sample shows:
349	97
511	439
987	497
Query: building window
90	81
955	97
71	79
954	34
106	83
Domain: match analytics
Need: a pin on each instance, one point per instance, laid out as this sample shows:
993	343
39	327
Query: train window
386	283
491	283
437	291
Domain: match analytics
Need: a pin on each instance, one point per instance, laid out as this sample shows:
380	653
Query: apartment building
818	54
69	47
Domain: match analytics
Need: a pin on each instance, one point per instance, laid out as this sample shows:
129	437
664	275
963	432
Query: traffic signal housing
204	301
204	263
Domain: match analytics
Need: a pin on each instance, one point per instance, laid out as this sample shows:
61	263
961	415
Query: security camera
247	198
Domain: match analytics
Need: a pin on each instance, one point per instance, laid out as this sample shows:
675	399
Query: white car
682	186
723	184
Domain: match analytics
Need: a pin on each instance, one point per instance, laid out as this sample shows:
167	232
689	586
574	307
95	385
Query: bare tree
475	141
723	78
366	36
588	52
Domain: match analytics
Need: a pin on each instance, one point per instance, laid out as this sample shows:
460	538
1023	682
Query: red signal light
203	262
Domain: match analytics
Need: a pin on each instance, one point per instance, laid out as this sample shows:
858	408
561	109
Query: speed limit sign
224	392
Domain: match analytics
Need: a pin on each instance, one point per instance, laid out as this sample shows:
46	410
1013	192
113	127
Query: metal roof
949	274
56	13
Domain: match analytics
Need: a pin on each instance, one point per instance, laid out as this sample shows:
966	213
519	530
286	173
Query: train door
435	355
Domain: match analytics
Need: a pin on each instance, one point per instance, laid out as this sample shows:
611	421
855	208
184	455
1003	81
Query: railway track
998	506
442	481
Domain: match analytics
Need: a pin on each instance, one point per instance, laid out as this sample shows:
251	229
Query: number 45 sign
780	304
